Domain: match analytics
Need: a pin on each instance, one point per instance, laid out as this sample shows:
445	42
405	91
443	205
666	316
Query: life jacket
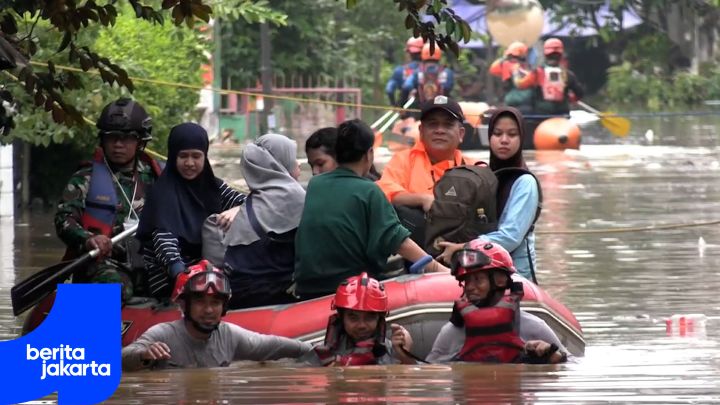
492	333
552	82
464	206
101	201
507	68
363	353
431	80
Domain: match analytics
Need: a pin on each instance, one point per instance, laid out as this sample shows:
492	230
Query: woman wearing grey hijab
260	253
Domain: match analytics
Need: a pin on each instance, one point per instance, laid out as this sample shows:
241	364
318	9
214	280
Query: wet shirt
452	338
347	226
226	344
68	223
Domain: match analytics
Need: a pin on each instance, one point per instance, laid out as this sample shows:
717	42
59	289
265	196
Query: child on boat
356	334
487	324
320	151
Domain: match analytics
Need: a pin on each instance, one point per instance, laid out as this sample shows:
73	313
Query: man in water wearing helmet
201	338
356	334
487	324
105	196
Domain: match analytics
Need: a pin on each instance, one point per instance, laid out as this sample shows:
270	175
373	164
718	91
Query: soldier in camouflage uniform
107	194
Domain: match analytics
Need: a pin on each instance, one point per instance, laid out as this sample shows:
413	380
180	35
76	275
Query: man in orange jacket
408	179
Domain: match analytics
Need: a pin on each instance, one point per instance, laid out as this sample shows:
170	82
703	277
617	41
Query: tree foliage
69	19
148	50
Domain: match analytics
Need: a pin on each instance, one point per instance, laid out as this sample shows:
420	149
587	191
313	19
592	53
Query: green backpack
465	206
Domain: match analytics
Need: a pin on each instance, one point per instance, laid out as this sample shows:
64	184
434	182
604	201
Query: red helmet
426	55
553	45
481	255
202	278
414	45
361	293
517	49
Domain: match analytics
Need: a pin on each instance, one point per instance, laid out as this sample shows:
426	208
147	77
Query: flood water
620	281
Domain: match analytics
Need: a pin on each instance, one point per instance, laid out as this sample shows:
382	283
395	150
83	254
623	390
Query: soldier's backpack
465	206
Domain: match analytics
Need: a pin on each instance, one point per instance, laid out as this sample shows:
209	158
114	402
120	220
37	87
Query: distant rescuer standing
105	196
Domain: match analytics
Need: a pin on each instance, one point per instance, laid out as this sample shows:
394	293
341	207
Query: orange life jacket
366	352
492	333
553	82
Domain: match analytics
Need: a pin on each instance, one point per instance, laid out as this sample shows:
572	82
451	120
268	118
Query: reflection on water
621	286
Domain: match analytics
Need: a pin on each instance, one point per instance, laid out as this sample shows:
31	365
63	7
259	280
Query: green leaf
65	41
466	31
436	6
8	25
449	27
409	21
168	4
351	3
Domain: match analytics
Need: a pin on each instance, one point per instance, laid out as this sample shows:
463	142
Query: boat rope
628	229
412	356
369	106
240	92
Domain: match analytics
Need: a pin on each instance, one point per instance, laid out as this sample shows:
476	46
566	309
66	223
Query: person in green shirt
347	225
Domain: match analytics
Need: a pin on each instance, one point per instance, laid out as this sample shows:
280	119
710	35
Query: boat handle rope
412	356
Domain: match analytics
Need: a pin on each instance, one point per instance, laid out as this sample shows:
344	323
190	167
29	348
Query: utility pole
267	120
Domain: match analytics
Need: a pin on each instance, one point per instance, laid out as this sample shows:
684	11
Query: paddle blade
19	294
618	126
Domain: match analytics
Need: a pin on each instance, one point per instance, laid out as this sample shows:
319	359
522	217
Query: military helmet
125	115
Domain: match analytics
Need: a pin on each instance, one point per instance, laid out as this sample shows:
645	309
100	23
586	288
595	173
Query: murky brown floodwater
621	287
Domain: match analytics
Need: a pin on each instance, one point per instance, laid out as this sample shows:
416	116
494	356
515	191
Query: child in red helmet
201	338
487	324
356	334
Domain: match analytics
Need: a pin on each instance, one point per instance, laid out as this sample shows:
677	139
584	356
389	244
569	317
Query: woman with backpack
518	196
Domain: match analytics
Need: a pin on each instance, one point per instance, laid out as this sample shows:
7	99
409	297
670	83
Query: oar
33	289
618	126
391	116
381	119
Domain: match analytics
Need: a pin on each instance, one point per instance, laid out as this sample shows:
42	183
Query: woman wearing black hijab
186	193
518	195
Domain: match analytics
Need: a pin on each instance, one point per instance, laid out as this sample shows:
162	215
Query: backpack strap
253	219
517	172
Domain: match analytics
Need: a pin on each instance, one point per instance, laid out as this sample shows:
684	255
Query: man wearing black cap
409	177
105	195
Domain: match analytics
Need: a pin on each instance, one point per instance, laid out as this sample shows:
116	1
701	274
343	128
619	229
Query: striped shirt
167	255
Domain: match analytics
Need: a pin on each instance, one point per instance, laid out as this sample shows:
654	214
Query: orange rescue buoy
557	134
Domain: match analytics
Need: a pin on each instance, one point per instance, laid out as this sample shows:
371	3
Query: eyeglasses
469	259
121	136
202	282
